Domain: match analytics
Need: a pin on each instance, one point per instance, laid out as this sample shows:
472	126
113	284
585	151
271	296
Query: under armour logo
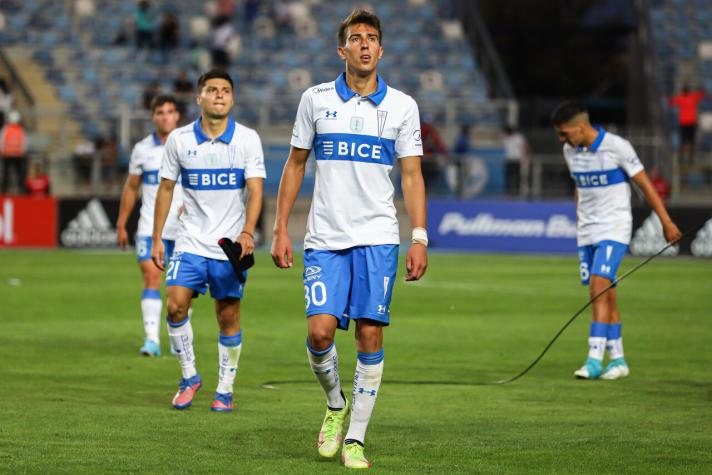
193	153
331	114
372	392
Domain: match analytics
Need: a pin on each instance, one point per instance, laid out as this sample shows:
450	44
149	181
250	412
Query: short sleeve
170	166
627	159
135	162
254	159
303	131
408	140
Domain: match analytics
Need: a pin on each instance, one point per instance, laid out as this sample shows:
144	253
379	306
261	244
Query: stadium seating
96	69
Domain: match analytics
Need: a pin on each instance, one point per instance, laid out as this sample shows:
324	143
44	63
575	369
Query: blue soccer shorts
602	259
198	273
143	248
351	283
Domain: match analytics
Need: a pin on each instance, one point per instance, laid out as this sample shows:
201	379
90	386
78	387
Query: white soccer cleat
615	370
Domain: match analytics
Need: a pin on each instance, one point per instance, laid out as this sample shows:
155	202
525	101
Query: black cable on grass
274	384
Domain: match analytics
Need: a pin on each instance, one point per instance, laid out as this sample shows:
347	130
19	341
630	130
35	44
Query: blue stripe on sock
614	331
231	341
319	352
151	294
599	329
371	358
177	324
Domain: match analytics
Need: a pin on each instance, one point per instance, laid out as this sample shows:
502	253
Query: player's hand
158	251
247	242
671	232
416	262
282	250
122	237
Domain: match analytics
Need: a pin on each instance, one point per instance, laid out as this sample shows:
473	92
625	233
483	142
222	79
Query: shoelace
331	426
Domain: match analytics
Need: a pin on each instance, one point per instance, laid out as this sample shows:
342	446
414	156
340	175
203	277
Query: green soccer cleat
330	436
353	457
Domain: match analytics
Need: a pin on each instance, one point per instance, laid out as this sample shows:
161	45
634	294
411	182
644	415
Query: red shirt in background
37	187
687	105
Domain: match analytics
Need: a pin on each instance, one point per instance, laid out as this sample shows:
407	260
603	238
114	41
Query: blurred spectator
251	7
13	148
168	35
223	32
687	103
225	9
183	92
5	101
153	89
83	158
661	185
281	13
517	153
108	156
461	149
144	24
462	141
434	154
37	181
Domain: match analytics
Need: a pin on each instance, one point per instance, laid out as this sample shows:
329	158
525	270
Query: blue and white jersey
213	174
356	141
602	173
145	161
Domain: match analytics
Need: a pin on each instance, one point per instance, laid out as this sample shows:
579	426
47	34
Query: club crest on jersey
381	122
330	115
356	124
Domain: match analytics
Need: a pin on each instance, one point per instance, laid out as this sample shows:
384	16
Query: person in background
37	182
661	185
168	35
517	152
13	148
687	103
434	154
144	25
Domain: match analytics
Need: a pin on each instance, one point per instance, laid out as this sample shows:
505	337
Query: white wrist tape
420	235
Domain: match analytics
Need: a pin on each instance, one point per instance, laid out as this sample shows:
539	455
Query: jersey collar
226	136
156	140
596	143
345	93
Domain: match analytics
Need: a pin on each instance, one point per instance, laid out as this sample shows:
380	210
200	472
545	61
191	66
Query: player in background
602	164
217	159
358	127
143	174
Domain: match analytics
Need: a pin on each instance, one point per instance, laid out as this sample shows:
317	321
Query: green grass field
75	396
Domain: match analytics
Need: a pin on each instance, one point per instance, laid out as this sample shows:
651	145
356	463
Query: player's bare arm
246	238
289	185
128	200
670	229
414	195
164	196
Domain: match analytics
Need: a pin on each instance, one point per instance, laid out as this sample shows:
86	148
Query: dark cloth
16	167
687	134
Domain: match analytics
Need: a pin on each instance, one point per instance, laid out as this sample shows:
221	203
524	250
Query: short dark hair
214	74
359	16
566	111
161	99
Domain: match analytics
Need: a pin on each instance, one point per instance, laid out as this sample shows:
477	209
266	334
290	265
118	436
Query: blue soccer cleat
616	369
591	369
222	403
186	391
150	348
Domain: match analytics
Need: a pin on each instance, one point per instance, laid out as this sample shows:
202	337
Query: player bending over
602	164
216	158
143	174
358	128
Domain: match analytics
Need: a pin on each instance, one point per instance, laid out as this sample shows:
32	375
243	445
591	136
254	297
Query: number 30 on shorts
316	294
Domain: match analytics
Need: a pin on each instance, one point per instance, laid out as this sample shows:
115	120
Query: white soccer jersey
213	174
602	174
145	161
356	141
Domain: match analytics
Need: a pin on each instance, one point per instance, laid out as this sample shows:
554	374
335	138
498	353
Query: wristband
420	235
249	234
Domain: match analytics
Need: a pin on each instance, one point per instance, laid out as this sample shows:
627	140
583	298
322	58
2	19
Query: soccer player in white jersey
143	174
217	159
358	128
602	164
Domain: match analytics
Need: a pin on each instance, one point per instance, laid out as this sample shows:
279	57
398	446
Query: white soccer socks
597	340
181	335
151	306
325	365
229	348
367	381
614	343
